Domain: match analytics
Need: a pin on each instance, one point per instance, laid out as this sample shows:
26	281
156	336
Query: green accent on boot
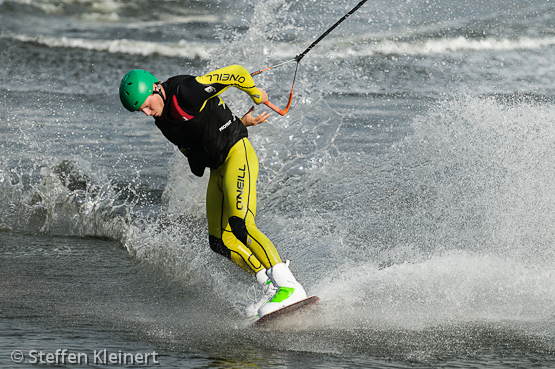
283	294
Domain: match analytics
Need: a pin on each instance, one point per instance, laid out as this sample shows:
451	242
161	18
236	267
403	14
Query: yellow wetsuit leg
231	209
222	240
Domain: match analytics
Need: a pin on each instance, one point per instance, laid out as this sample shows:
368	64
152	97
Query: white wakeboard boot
267	290
289	290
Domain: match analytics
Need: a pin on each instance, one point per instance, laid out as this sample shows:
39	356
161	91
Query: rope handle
278	110
282	112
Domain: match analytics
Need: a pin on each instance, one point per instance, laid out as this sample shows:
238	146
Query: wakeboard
278	314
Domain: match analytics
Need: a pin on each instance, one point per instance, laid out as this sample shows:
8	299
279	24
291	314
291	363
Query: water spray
298	58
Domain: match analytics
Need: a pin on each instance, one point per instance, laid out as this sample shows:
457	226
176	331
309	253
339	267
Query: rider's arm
236	76
195	92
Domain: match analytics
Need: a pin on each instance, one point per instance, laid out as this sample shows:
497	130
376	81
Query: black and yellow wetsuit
198	121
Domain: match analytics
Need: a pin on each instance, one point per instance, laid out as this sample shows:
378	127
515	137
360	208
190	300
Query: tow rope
298	58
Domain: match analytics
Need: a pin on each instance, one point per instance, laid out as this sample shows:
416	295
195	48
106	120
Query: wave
436	46
60	7
182	48
349	49
365	47
115	10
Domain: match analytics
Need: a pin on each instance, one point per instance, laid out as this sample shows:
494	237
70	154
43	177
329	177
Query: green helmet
135	87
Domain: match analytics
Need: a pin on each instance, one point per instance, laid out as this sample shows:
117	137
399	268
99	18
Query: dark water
411	184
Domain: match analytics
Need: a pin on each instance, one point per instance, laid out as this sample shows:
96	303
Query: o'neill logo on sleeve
226	77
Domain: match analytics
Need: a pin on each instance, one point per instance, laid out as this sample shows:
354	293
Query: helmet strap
160	91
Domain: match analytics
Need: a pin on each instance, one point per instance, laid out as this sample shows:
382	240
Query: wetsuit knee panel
239	228
218	246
